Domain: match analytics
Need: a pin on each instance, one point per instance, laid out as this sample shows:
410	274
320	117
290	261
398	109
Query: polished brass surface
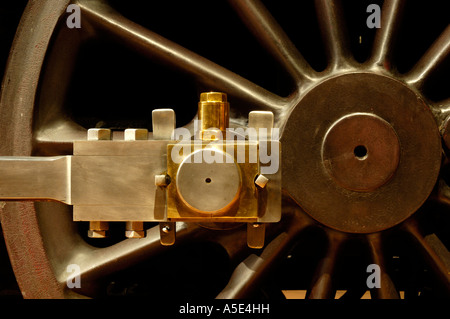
213	112
208	187
238	204
214	181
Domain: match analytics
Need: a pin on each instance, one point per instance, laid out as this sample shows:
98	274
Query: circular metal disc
208	187
361	151
392	191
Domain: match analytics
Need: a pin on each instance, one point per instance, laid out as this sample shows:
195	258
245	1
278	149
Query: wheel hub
366	152
361	151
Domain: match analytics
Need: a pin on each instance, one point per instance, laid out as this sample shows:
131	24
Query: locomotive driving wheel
364	141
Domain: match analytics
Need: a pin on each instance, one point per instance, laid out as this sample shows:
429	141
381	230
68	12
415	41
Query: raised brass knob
213	112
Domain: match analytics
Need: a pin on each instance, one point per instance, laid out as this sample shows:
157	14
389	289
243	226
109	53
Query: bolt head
97	233
213	97
134	134
135	233
162	180
98	134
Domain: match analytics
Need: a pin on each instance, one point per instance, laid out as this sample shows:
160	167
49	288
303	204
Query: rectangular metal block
121	148
114	180
261	120
163	123
120	213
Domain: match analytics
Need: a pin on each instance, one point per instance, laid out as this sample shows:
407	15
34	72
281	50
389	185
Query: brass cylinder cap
213	111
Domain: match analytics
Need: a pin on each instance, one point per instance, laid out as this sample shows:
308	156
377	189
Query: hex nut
97	233
135	233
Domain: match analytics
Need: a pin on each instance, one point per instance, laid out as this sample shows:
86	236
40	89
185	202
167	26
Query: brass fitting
213	112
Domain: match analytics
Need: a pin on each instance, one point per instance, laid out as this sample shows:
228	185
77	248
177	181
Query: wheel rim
42	239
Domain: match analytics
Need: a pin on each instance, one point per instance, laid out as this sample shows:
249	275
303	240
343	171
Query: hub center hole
208	180
360	152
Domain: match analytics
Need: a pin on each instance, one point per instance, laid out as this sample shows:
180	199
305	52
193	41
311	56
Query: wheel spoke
100	262
322	284
433	251
443	106
56	137
385	37
54	132
442	196
387	288
271	35
441	112
104	18
331	21
251	271
430	61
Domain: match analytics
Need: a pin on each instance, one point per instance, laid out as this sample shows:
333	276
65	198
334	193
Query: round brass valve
208	187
